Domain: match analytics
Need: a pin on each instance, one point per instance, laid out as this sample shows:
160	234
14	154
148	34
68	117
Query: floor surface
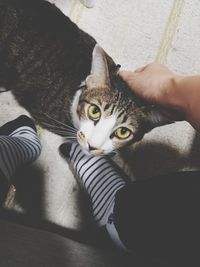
134	33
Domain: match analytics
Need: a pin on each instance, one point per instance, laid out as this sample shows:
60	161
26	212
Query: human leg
158	216
19	144
100	180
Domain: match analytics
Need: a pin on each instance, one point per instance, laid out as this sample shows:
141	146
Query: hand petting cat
157	84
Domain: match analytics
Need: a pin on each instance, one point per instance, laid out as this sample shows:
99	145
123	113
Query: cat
67	81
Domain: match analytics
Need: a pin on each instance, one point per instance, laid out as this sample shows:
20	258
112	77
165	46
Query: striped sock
19	144
100	180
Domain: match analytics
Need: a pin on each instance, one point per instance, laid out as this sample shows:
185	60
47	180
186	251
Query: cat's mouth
91	151
88	149
96	152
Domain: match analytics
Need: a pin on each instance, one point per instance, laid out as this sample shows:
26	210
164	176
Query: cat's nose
91	147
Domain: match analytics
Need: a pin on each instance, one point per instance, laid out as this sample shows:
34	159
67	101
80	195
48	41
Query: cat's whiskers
56	126
68	133
59	122
65	133
70	137
59	127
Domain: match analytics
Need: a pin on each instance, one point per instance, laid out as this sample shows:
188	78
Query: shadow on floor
153	159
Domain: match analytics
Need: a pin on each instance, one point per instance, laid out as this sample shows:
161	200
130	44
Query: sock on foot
11	126
19	144
99	178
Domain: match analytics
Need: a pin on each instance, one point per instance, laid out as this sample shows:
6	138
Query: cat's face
108	118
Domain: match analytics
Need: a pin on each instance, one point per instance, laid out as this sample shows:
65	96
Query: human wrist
177	95
190	89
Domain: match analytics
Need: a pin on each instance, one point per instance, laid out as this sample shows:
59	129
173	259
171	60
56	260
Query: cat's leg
19	144
88	3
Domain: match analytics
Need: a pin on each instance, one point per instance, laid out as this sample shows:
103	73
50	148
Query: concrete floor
134	33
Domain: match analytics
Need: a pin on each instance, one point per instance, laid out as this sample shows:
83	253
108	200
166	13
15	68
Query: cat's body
44	58
43	55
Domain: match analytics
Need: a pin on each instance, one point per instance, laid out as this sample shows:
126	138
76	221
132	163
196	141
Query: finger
125	74
132	79
140	69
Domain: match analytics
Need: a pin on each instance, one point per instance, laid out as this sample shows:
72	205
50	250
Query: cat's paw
65	149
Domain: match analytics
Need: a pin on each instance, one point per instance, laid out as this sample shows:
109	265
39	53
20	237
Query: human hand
152	82
156	84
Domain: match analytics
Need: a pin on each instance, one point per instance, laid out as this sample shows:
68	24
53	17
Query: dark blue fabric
160	216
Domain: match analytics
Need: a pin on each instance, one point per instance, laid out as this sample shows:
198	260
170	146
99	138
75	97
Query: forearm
187	90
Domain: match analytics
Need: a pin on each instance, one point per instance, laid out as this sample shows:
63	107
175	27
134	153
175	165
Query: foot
19	144
11	126
98	177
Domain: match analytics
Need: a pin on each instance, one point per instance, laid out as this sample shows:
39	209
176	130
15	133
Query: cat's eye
122	133
94	112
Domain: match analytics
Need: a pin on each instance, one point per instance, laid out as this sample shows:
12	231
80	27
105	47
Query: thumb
129	74
133	79
125	74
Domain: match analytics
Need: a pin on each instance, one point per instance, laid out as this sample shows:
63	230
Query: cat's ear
156	117
99	74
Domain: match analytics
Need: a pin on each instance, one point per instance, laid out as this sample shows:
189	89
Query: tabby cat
66	80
